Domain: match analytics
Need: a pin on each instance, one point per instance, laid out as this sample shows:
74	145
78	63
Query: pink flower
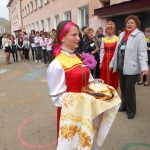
89	60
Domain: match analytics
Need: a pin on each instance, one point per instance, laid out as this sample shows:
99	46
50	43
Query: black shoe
131	116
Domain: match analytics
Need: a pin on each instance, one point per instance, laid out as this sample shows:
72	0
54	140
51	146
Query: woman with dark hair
20	46
66	73
91	45
130	59
26	45
13	47
31	39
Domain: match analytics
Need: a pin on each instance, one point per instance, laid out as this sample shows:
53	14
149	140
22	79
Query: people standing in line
66	73
130	59
107	50
13	47
43	44
26	45
20	47
91	45
49	48
6	47
38	50
147	36
31	39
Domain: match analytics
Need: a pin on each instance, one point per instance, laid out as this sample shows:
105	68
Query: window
42	25
31	7
56	20
28	9
37	26
84	16
48	24
26	28
33	27
29	28
67	15
46	1
40	3
23	13
36	4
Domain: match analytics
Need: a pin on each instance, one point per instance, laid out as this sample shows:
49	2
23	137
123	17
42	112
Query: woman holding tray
66	73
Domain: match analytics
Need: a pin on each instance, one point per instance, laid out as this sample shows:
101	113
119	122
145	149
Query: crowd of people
40	44
121	57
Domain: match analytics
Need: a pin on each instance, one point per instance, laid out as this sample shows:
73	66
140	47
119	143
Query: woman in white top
43	43
66	73
49	48
6	47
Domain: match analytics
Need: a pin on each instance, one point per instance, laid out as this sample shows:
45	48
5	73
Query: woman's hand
93	52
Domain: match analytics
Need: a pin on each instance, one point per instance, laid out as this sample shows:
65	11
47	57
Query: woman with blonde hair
6	47
91	46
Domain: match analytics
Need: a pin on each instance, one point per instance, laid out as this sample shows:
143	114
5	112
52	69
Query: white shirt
43	43
37	41
49	44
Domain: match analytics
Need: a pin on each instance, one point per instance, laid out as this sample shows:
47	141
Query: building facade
4	26
118	10
46	14
14	7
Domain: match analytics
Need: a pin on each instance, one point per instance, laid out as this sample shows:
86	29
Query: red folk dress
107	52
66	73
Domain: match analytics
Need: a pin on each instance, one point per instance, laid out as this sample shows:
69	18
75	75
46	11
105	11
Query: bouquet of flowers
89	60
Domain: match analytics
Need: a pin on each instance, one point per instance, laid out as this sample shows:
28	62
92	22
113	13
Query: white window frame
31	7
36	4
57	19
40	3
25	11
67	15
48	24
28	8
42	25
37	26
82	17
46	1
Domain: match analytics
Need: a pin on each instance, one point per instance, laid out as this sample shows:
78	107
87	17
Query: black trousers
14	53
128	96
45	55
50	56
26	53
33	52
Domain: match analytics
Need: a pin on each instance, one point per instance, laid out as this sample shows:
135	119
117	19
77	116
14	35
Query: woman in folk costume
66	73
107	49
